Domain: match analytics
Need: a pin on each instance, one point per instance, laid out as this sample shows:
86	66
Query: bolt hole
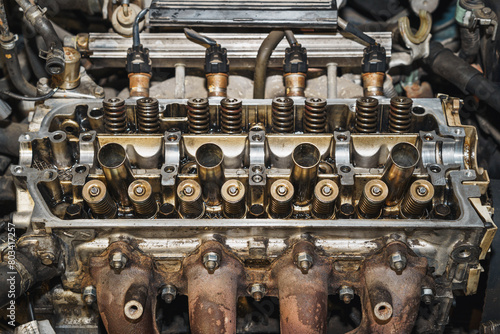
80	169
87	137
418	110
169	169
257	169
464	253
257	137
345	169
69	129
57	136
172	137
435	169
428	137
18	170
341	137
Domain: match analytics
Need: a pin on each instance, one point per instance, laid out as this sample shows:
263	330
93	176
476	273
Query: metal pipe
303	298
306	158
265	51
331	80
209	158
180	79
399	168
55	63
61	150
116	168
381	302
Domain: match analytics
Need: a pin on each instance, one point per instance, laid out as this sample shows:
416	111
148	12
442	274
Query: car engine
233	166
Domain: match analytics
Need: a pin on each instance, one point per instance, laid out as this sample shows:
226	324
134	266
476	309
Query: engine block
146	200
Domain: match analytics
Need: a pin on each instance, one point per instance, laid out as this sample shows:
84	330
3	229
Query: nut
304	262
427	295
168	293
211	261
398	261
118	261
89	294
346	293
258	291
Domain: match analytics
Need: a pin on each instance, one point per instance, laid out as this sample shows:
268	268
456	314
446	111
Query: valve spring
198	115
282	119
233	197
115	115
417	199
366	115
315	115
148	115
400	114
372	199
281	199
190	201
97	197
325	194
231	115
142	198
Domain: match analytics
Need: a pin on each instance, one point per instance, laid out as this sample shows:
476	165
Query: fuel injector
139	65
295	67
216	63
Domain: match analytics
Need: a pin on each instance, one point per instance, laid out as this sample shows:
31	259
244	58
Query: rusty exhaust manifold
389	283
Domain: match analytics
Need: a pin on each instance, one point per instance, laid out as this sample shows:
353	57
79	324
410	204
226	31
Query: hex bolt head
398	261
89	294
346	294
211	261
47	258
168	293
427	295
304	262
258	291
118	261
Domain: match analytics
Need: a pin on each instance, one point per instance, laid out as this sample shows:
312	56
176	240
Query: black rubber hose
15	73
458	72
55	56
9	138
30	45
13	284
266	49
